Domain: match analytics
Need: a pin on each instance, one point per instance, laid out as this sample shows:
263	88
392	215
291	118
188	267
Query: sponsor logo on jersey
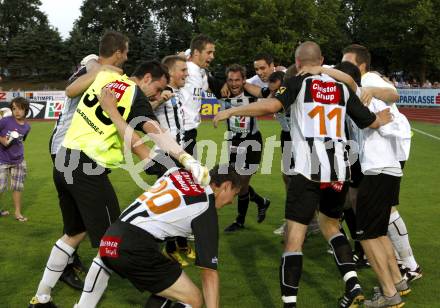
281	90
184	182
118	87
109	246
325	92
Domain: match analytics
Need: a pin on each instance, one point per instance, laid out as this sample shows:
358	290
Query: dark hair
362	54
155	68
291	72
170	61
236	68
21	103
264	56
111	42
199	42
224	173
350	69
278	75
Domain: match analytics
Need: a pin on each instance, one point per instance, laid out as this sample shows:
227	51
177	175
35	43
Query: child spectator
13	131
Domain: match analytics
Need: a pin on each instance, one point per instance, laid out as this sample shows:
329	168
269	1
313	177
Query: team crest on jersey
183	180
109	246
325	92
118	87
281	90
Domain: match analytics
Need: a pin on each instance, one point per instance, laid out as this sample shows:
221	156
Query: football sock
344	260
254	197
243	204
290	274
156	301
181	305
59	256
399	237
95	284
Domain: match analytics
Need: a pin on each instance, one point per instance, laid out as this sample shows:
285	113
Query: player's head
308	53
202	50
19	107
225	182
358	55
113	46
350	69
275	81
263	65
235	78
177	69
152	78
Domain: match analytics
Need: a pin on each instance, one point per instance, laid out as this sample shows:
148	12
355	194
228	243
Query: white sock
399	237
95	284
59	256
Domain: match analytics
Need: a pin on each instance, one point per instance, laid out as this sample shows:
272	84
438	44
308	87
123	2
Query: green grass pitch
249	259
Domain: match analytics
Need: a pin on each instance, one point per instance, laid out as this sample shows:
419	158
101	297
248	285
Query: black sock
156	301
358	250
170	246
243	204
254	197
182	242
290	274
344	260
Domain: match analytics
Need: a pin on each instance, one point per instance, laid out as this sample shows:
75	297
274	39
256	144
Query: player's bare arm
382	117
260	108
210	282
164	96
387	95
252	89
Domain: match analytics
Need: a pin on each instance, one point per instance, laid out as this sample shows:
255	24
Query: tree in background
129	17
401	34
29	47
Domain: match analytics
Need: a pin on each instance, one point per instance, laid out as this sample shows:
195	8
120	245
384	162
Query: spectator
436	85
13	131
427	84
415	83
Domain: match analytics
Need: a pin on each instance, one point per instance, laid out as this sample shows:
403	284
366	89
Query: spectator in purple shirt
13	131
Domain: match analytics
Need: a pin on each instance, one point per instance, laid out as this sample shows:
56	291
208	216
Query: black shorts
304	197
88	202
356	174
396	200
376	196
137	257
190	140
286	153
243	153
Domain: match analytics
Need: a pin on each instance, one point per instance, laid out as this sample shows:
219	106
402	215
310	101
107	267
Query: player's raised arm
260	108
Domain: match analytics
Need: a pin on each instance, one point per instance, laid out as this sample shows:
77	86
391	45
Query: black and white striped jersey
65	118
176	206
318	105
240	126
170	115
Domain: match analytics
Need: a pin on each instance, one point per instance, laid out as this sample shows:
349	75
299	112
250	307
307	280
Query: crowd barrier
48	105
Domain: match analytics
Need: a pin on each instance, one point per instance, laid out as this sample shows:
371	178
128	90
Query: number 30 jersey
318	105
176	206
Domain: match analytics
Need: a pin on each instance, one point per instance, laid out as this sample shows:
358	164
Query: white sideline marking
425	133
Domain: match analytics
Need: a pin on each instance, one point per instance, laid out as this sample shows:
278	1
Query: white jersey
196	86
399	129
256	80
169	207
170	115
318	105
240	126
